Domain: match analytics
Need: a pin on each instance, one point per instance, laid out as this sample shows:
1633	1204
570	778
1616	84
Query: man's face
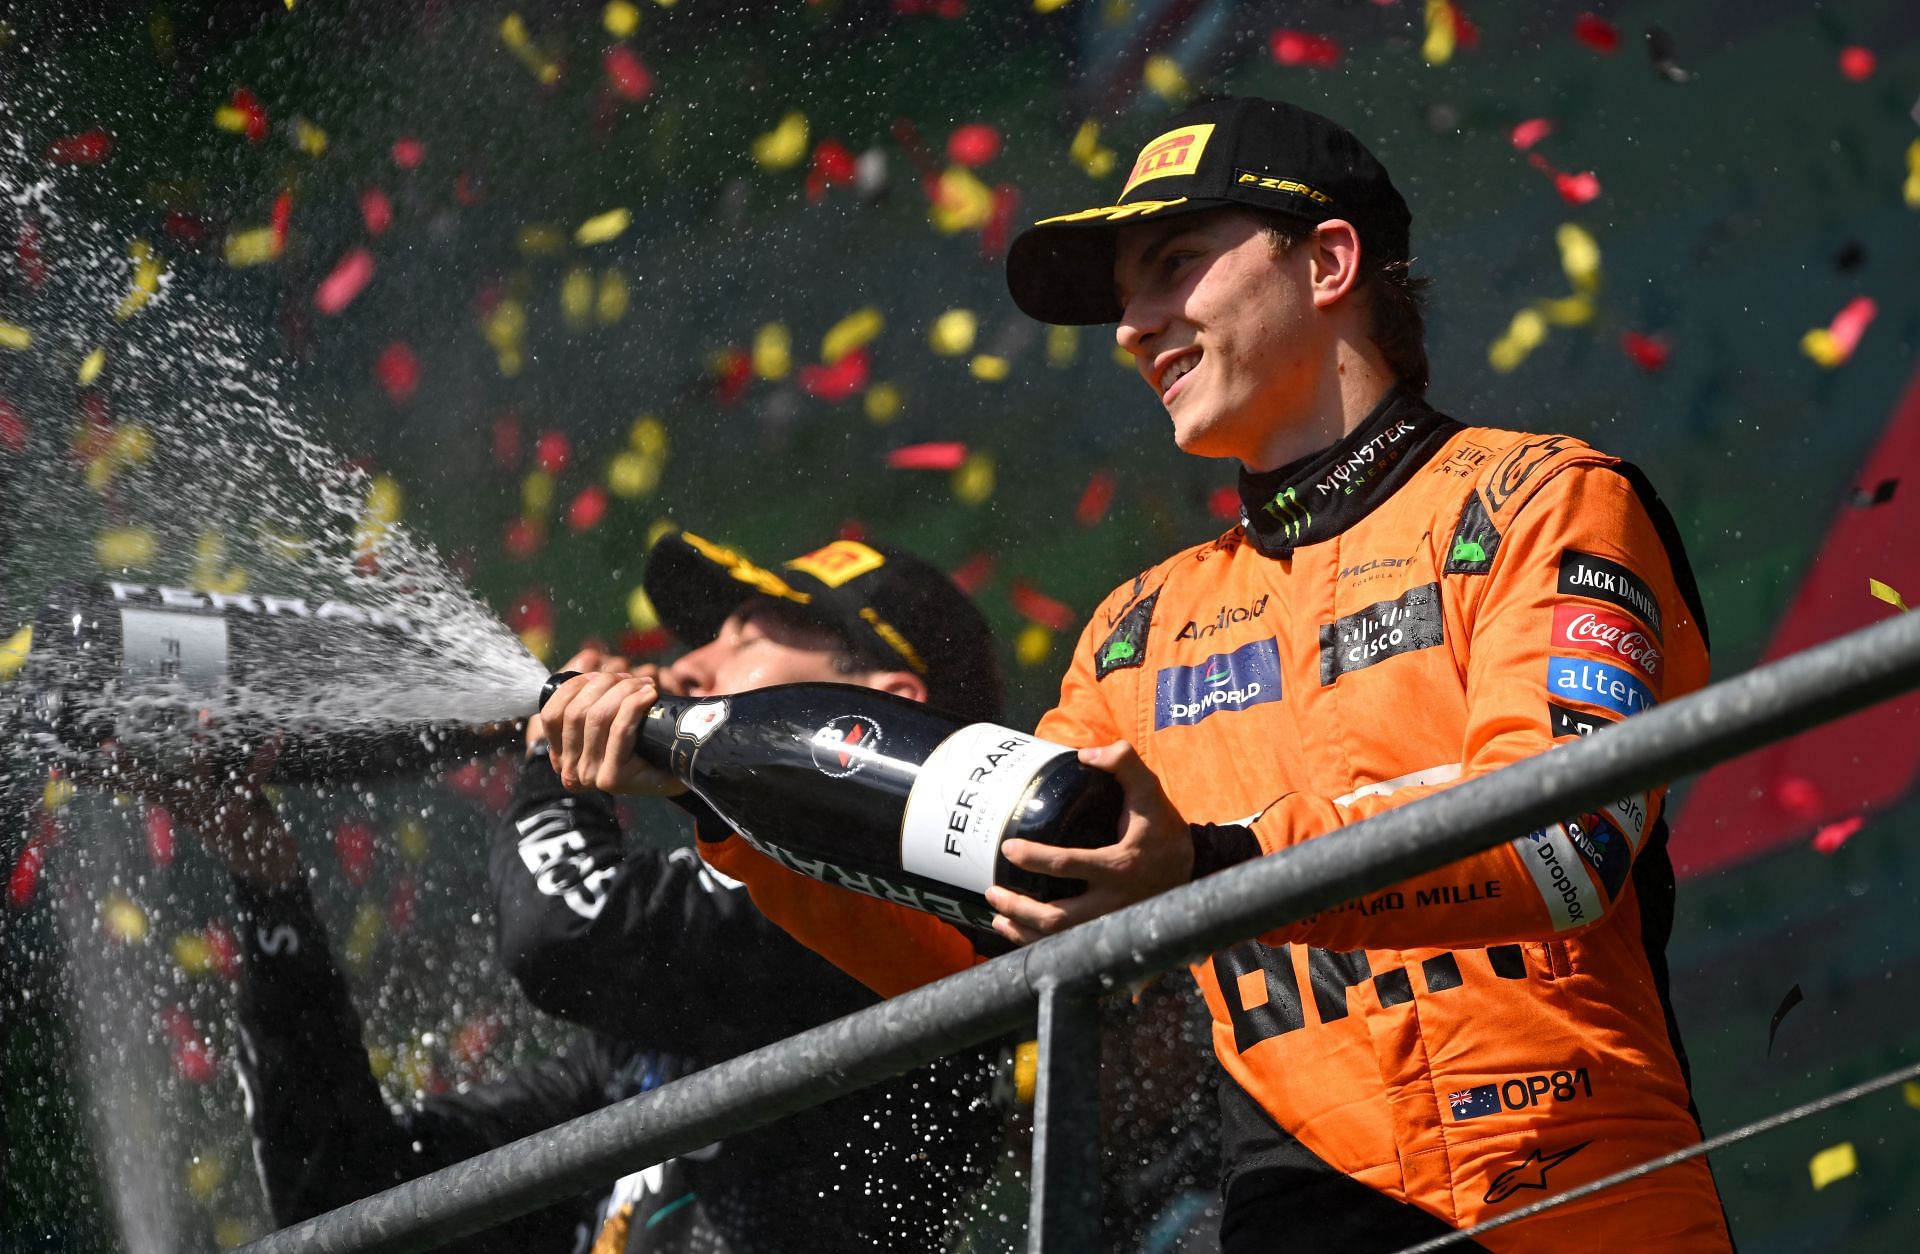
756	647
1220	328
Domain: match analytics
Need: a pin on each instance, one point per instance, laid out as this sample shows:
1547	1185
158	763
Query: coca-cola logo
1602	631
845	744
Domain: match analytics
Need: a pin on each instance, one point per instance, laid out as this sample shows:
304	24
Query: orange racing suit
1420	604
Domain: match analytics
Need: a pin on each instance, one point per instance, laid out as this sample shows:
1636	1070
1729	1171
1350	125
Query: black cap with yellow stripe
1261	154
895	605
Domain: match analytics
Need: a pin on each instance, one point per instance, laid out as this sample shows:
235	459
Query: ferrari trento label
1382	630
959	806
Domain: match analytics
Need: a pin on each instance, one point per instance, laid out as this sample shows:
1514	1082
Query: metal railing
1060	979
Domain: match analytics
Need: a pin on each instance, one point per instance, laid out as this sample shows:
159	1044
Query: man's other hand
591	724
1154	853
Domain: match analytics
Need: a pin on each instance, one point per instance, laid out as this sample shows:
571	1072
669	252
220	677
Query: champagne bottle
883	795
177	678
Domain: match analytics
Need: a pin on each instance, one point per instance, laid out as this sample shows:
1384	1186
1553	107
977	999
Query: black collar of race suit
1324	493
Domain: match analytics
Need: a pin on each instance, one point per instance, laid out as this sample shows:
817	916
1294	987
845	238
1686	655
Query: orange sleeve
1081	717
1563	878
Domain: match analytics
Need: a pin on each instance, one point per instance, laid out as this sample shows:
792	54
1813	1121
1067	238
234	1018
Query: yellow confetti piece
230	1232
953	331
192	954
785	145
1579	257
125	547
1911	1091
640	612
1163	78
536	493
1049	6
230	119
1821	345
1063	346
611	304
385	499
57	793
1910	191
772	351
1836	1162
1026	1069
90	368
310	138
414	840
506	324
1566	311
648	436
513	33
973	482
1125	360
961	202
603	226
883	402
632	474
204	1175
1441	34
541	239
1088	153
620	19
147	269
1885	593
856	330
13	654
379	1062
99	473
131	444
1033	644
363	935
989	368
124	919
576	298
15	336
252	246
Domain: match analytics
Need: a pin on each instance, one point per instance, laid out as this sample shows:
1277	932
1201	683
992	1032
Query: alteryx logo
1249	675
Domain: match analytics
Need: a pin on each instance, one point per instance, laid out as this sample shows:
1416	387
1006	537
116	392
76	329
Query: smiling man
1406	603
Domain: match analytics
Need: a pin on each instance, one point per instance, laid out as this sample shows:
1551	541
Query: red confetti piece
408	152
1465	33
1858	63
26	247
1036	606
282	218
553	451
1531	132
255	112
89	147
398	371
587	509
25	876
1649	352
522	539
1798	796
225	948
1834	835
402	905
995	235
1597	33
506	440
974	144
189	228
1577	189
943	455
353	845
1297	47
1095	499
1851	323
13	431
474	1039
349	278
948	9
735	372
837	382
531	611
160	845
629	78
833	162
972	574
466	189
1224	503
376	211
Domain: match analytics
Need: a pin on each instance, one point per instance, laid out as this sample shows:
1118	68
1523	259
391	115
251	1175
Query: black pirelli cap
1260	154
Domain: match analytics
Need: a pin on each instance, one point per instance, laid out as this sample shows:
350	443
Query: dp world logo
844	745
1250	675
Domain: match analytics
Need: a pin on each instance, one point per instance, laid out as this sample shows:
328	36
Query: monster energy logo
1293	517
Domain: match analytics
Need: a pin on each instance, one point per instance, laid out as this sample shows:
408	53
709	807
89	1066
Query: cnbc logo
1250	675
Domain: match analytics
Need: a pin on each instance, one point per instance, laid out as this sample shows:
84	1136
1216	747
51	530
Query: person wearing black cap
1407	602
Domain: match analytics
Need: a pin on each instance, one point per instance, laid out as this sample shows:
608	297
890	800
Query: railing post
1065	1214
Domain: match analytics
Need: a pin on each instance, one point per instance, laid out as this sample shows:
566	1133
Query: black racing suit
663	951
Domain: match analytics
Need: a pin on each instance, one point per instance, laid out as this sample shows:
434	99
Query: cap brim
1061	271
693	590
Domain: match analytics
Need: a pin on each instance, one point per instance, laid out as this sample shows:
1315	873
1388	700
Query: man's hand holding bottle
591	721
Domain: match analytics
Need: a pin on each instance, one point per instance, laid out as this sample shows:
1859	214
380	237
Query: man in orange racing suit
1407	603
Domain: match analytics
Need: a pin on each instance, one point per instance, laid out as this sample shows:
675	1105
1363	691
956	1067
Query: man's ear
899	683
1336	261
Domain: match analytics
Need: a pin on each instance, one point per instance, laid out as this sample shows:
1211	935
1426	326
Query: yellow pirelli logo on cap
1176	152
838	562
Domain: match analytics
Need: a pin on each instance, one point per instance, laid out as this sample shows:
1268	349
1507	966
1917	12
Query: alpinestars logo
1250	675
845	744
1529	1173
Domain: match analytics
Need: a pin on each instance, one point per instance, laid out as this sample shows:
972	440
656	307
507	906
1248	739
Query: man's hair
1396	299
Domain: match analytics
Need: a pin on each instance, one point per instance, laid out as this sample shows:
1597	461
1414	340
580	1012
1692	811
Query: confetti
576	298
631	474
1836	1162
785	145
205	1172
376	211
855	330
629	78
620	18
353	845
1049	6
120	548
408	152
833	163
124	919
513	33
1861	498
1524	334
946	455
243	115
588	509
973	145
1165	79
15	336
952	332
89	147
90	367
1063	346
309	138
281	220
1857	64
603	227
398	371
159	834
1649	352
961	202
13	652
13	429
25	875
349	277
1295	47
148	269
1579	257
1032	645
1095	498
839	381
973	482
1910	190
989	368
1833	835
972	574
1597	33
772	351
640	612
1577	189
1793	998
1833	344
1442	32
1911	1091
883	403
252	246
1088	153
1884	592
553	451
1531	132
1037	607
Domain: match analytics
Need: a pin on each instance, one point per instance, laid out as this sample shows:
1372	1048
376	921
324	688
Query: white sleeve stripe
1561	878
